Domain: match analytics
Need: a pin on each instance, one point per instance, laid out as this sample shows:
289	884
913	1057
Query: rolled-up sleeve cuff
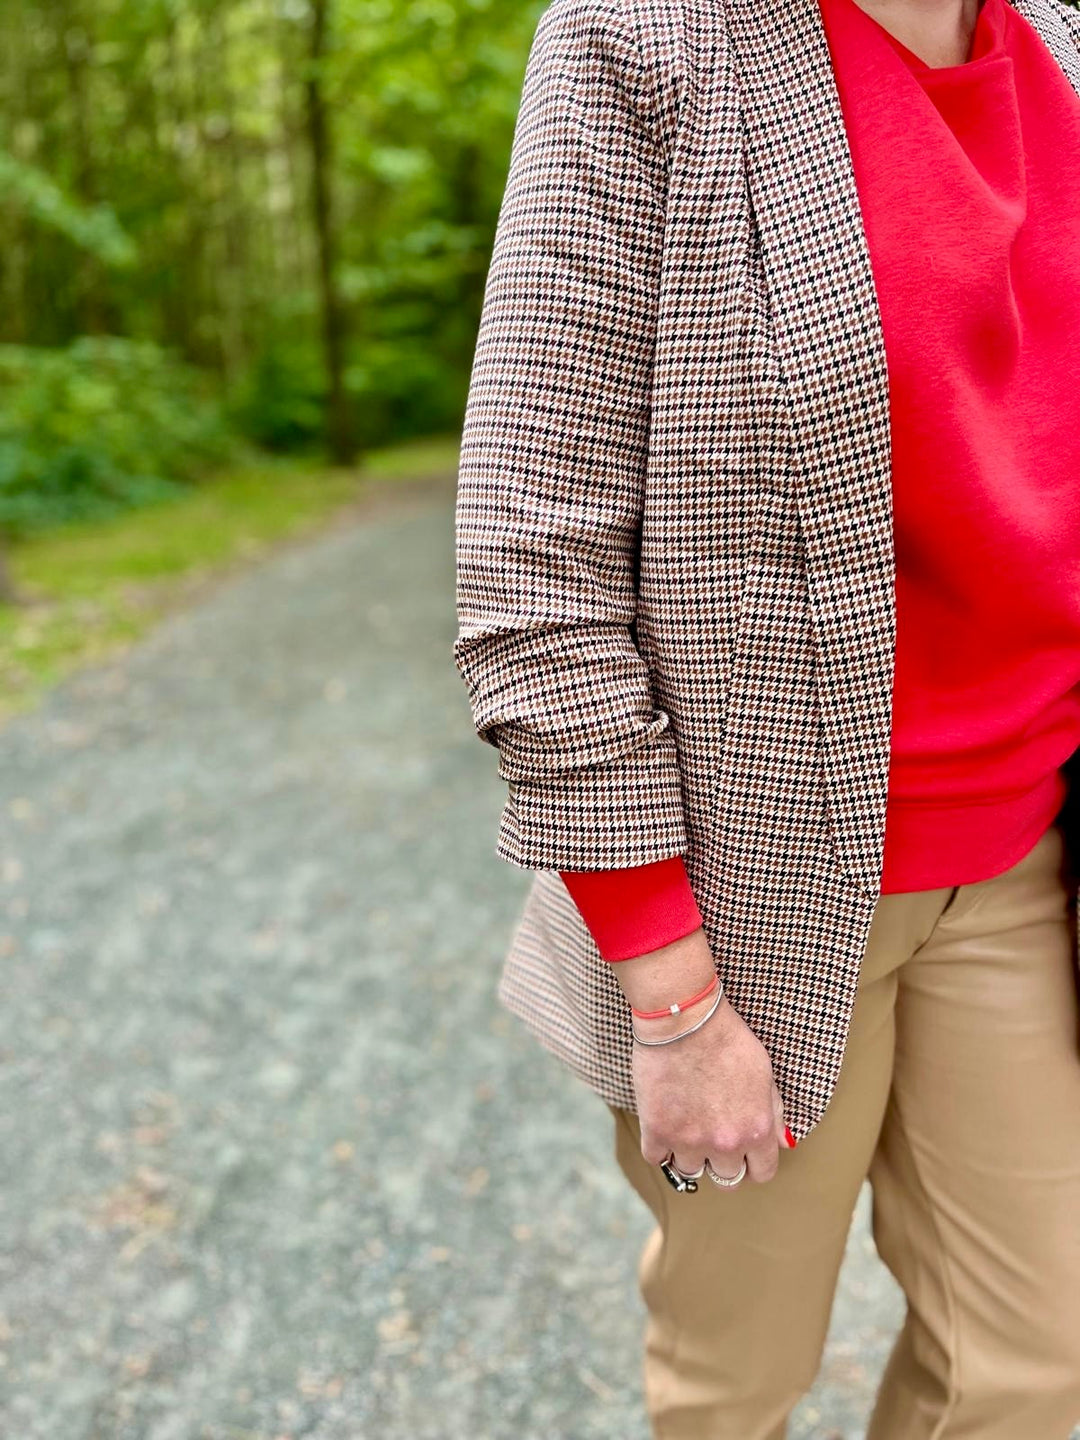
626	812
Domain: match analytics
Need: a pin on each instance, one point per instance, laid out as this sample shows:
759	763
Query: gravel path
276	1164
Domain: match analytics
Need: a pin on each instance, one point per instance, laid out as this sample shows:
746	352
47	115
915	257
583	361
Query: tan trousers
959	1098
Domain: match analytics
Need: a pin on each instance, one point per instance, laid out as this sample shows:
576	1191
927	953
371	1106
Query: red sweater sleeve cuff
630	912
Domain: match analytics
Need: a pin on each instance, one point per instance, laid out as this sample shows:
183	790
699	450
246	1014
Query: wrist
671	974
662	1027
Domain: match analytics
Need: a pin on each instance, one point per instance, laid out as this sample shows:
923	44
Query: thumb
783	1134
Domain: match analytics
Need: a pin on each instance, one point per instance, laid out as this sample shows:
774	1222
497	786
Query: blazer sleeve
552	466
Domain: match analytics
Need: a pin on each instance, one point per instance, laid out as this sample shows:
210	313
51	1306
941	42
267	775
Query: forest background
243	246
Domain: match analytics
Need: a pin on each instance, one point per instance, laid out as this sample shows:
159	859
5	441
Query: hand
711	1094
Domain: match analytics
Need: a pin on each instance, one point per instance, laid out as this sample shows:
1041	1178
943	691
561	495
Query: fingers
728	1162
689	1159
759	1146
653	1148
783	1133
763	1157
763	1161
759	1149
778	1116
690	1162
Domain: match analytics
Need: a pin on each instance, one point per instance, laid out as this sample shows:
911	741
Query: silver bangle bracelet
670	1039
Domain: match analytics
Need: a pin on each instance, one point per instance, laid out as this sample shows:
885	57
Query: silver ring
682	1184
686	1174
726	1182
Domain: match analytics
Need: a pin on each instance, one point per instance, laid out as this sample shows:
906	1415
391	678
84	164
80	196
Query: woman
769	598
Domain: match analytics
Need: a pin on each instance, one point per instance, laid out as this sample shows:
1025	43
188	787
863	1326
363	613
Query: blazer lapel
828	328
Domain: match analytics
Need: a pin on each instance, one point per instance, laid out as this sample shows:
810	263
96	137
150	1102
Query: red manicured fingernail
789	1137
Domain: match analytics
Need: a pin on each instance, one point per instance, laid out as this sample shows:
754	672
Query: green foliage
101	426
280	404
93	229
156	160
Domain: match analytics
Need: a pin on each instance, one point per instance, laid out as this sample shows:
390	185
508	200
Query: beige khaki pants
959	1098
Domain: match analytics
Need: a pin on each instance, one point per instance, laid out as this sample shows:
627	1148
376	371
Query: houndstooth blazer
674	527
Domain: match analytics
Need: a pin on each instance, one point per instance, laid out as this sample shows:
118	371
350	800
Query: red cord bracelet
679	1006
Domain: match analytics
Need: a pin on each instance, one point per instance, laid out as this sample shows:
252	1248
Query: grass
91	589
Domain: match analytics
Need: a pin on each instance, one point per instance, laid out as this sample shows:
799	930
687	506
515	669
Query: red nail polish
789	1137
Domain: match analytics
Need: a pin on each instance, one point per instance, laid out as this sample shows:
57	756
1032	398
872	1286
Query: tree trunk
95	312
9	594
339	419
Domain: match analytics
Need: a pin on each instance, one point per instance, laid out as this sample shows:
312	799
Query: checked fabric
675	569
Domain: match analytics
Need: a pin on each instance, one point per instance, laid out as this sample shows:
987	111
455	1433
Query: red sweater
970	197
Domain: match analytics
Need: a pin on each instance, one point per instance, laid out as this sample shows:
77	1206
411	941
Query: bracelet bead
678	1006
